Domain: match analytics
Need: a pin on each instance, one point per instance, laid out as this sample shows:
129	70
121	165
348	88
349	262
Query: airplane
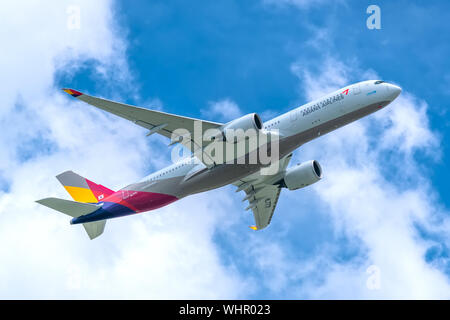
93	203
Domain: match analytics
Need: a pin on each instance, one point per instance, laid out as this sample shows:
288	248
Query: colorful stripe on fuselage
126	202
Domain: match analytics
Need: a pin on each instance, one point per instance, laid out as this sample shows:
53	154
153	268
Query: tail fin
76	209
82	189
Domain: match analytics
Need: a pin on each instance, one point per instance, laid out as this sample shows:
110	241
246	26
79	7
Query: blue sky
383	201
189	55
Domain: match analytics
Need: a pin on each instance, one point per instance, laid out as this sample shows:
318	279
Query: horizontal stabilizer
77	209
71	208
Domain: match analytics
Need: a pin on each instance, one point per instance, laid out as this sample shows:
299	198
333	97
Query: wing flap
159	122
263	193
266	200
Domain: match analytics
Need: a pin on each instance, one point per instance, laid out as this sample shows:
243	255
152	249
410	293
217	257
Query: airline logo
322	104
73	93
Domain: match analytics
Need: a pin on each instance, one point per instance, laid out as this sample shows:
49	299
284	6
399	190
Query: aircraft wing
156	121
262	193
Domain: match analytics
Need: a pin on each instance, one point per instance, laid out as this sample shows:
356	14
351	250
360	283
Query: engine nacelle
302	175
249	121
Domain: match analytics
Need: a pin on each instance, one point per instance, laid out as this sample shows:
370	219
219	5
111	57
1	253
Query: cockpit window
379	81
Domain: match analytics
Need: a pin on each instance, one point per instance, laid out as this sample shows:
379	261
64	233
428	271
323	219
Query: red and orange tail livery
72	92
82	189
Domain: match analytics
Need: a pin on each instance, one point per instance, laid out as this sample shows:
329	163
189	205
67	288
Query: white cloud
375	203
223	110
170	253
164	254
407	126
333	75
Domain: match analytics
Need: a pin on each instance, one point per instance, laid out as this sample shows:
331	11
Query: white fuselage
295	127
95	203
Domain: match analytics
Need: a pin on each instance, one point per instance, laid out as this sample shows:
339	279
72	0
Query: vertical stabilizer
82	189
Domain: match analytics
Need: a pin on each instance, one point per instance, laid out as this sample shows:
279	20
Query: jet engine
249	121
302	175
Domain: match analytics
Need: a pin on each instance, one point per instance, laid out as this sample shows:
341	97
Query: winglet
253	227
73	93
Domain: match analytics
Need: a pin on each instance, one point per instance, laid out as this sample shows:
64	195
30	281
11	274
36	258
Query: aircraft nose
393	90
